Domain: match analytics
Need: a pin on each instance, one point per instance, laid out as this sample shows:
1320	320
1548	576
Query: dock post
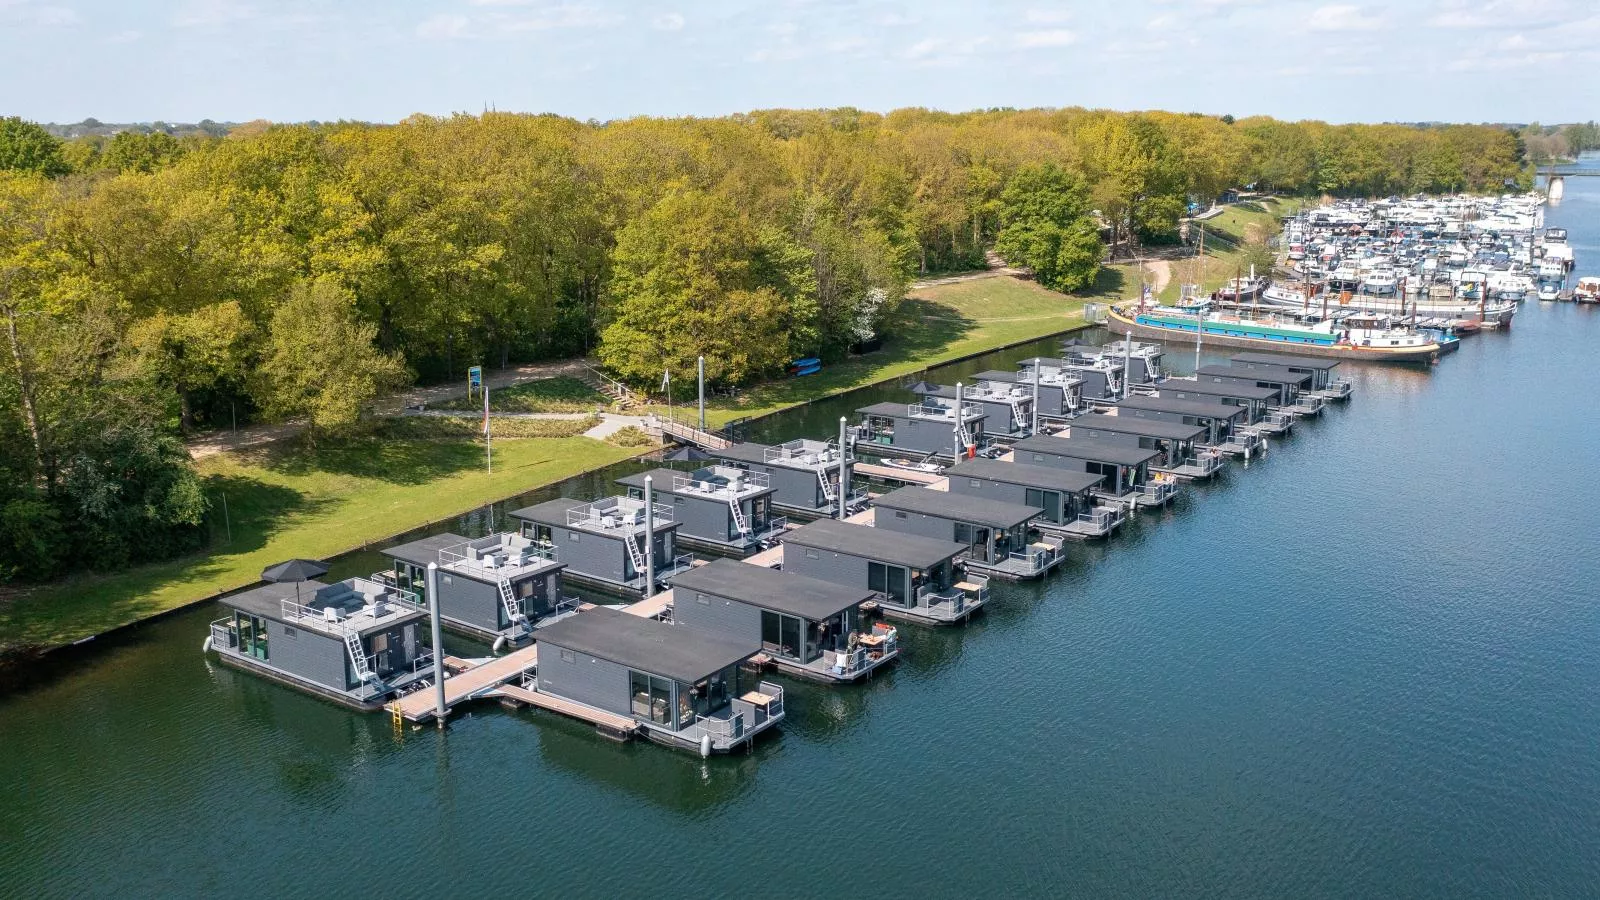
700	371
960	448
649	537
844	469
440	710
1034	427
1127	361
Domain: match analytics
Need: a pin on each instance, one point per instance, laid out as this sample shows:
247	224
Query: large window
651	698
887	580
780	634
1049	501
252	634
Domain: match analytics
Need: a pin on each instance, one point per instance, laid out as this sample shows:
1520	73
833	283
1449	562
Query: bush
632	436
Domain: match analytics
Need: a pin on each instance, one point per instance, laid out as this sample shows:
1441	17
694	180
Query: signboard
475	376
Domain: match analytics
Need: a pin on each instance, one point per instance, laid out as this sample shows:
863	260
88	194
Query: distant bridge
1567	172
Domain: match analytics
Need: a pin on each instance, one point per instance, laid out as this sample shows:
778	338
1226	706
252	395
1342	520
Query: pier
469	684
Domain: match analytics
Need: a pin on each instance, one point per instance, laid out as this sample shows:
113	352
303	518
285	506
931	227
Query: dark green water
1364	666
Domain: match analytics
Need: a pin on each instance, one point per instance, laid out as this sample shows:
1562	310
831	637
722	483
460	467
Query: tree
320	360
1046	227
27	147
201	351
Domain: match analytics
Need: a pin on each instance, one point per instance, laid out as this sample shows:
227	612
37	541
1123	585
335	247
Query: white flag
486	410
666	379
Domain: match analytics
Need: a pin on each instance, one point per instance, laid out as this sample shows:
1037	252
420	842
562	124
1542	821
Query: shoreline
19	655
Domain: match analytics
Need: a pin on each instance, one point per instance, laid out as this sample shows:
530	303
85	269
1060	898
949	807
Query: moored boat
1375	342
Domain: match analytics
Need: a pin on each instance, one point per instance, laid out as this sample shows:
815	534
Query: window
702	599
898	514
780	634
652	698
573	536
447	580
289	632
973	482
812	554
567	656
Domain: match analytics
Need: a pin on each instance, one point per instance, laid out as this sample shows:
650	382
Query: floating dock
469	684
895	473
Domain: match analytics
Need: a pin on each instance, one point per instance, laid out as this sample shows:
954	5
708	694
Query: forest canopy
152	284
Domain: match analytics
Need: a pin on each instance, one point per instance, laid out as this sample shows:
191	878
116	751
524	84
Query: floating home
682	686
719	507
357	642
1098	378
920	429
1222	423
1125	470
804	474
1257	402
807	627
1007	408
1060	390
603	543
493	588
1177	444
913	578
1065	497
997	534
1323	381
1287	385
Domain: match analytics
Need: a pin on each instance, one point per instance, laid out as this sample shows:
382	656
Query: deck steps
608	723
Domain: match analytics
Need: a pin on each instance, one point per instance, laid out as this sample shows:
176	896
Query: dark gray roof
1182	407
1176	431
884	409
1047	477
957	507
267	600
799	595
1086	449
1242	391
682	654
1299	362
424	550
1284	376
873	543
744	452
550	512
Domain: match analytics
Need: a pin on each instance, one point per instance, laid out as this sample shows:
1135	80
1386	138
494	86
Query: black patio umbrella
295	570
1075	342
923	387
687	453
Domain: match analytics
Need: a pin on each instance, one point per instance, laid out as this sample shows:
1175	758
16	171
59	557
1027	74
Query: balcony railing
1157	492
737	482
627	519
942	412
223	636
504	560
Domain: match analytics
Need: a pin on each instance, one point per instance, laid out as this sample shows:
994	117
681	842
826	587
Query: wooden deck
866	517
477	681
651	607
893	473
770	558
621	724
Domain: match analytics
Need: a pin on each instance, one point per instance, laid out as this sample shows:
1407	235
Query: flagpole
488	447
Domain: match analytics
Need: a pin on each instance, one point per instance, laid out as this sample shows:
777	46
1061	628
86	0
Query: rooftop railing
943	412
803	453
627	519
733	483
512	557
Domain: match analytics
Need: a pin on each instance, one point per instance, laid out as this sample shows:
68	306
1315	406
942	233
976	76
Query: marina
1133	661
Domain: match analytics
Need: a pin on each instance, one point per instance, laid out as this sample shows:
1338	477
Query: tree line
151	284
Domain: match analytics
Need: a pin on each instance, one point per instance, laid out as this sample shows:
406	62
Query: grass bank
1225	236
292	501
936	324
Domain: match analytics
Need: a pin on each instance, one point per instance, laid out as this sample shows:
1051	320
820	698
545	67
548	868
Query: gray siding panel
717	615
586	679
308	654
469	600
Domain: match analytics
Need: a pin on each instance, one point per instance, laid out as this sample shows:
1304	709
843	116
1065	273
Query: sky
381	60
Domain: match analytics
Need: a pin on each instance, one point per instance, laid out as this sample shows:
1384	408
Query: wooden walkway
419	706
771	558
867	516
651	607
892	473
620	724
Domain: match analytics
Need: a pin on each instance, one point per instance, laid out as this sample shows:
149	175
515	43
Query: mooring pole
844	468
649	537
960	444
1034	429
700	370
432	586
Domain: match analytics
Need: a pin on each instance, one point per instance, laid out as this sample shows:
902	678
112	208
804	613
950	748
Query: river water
1364	666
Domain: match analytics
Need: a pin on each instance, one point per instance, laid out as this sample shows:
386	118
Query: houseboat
1065	497
1125	471
496	588
1323	338
1061	390
1177	444
1291	387
1259	404
914	579
681	686
1007	407
717	507
998	535
804	474
603	543
357	642
1323	381
1222	422
929	428
808	627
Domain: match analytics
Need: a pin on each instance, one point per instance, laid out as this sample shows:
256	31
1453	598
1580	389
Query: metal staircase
738	515
964	435
1019	420
508	599
634	556
828	493
358	655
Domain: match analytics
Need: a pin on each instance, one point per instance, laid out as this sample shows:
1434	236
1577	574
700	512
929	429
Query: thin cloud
212	13
1047	16
668	22
1055	37
1341	17
444	27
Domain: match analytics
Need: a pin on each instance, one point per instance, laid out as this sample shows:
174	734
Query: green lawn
290	501
935	325
1225	235
562	394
